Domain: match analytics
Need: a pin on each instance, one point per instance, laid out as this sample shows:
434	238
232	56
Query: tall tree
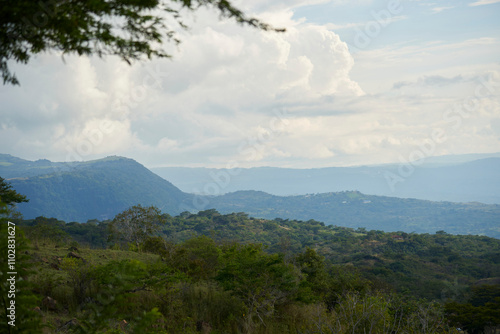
136	224
130	29
8	195
8	200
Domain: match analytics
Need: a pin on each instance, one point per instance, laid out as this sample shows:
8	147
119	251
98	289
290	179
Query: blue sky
418	21
424	81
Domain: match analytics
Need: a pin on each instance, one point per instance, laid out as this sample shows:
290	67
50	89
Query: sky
351	82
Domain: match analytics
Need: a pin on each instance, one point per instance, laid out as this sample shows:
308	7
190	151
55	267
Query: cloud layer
237	95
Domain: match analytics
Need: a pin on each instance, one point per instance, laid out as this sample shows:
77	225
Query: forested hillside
424	265
95	189
215	273
354	209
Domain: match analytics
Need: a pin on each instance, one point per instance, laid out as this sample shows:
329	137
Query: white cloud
295	99
221	76
436	10
484	2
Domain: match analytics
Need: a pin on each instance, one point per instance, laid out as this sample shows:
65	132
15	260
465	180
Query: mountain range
436	180
100	189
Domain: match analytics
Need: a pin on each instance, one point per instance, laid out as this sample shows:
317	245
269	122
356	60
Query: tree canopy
130	29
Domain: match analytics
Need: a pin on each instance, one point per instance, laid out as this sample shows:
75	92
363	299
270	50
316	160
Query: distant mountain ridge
471	181
80	191
355	209
102	188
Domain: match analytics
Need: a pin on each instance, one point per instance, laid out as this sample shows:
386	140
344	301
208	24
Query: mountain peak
100	188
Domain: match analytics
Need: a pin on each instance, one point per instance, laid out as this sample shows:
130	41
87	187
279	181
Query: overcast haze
349	83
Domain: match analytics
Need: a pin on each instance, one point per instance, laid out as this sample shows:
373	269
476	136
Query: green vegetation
480	313
215	273
21	291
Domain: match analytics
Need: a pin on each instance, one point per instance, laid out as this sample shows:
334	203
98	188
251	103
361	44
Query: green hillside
215	273
96	189
423	265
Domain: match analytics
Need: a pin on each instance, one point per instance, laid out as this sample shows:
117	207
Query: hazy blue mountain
458	158
472	181
95	189
102	188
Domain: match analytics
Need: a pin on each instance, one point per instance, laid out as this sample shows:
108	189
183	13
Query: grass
95	256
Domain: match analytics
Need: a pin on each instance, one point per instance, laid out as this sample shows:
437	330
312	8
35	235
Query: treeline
431	266
147	272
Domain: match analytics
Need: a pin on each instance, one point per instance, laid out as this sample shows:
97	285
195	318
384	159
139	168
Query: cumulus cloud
258	98
221	76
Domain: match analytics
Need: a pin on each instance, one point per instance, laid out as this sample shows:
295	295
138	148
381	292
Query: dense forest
149	272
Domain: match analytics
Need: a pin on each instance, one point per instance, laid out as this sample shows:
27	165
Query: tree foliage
207	286
136	224
204	272
261	281
481	312
44	230
8	200
130	29
8	195
423	265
